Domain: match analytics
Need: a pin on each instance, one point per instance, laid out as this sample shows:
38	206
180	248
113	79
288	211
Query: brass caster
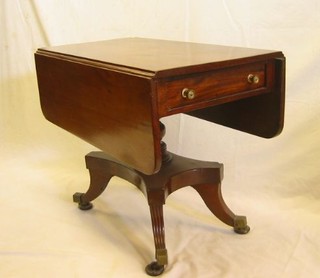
81	205
154	269
240	225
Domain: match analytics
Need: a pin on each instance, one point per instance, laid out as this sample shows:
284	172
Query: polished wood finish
102	107
176	172
113	94
204	177
224	83
105	92
159	58
261	115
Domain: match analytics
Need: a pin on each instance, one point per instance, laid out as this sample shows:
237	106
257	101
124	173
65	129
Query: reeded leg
157	267
98	183
211	195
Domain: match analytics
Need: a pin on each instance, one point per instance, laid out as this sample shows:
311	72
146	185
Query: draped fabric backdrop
275	182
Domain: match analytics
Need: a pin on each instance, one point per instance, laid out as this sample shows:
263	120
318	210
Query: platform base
177	172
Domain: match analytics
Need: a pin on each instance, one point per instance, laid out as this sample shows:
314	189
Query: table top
113	93
160	57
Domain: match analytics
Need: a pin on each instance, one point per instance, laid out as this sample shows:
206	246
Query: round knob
253	79
188	93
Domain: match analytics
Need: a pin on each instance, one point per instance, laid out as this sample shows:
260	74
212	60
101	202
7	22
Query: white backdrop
274	182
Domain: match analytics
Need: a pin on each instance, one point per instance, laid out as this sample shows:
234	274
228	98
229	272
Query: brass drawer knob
253	79
188	93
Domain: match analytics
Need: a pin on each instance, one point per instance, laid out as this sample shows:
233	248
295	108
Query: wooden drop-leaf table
113	94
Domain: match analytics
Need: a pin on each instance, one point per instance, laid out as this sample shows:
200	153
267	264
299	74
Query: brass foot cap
154	269
240	225
77	198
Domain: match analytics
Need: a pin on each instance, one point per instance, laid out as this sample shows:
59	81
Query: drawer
219	86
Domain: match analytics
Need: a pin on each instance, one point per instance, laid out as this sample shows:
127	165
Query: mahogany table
113	94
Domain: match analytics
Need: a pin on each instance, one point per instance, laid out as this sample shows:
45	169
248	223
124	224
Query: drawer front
193	92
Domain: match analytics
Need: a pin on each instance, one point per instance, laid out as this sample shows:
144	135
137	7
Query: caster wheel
154	269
